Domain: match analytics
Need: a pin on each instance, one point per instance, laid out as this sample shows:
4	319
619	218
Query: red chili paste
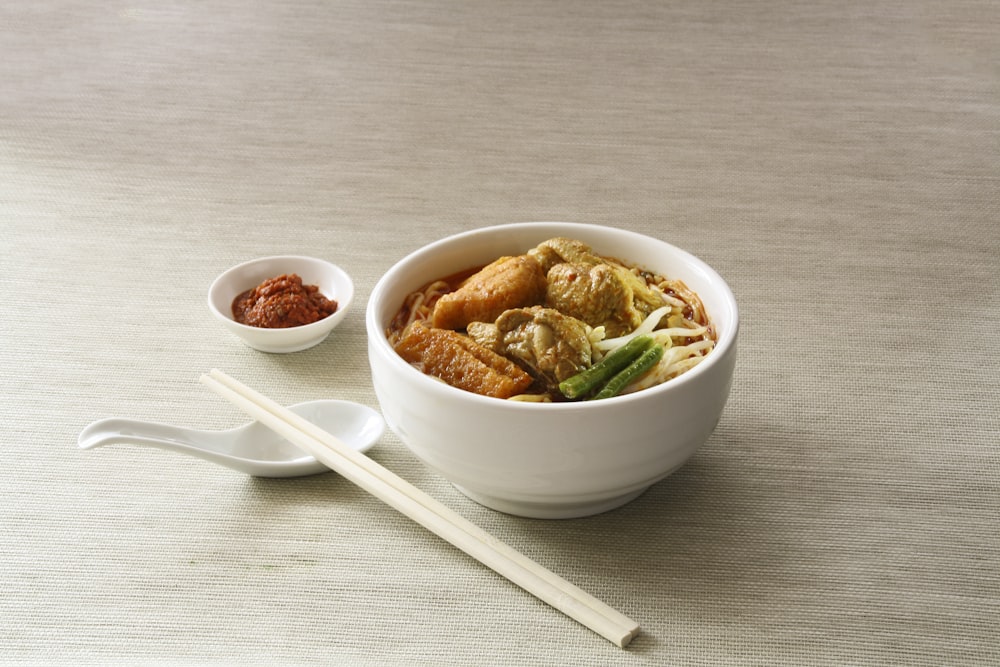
282	302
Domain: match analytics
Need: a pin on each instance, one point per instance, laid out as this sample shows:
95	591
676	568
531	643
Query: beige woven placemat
836	162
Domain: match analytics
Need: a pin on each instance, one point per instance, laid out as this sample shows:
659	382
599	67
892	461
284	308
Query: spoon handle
117	431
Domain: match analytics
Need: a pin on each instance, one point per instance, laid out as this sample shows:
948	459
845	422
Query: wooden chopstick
425	510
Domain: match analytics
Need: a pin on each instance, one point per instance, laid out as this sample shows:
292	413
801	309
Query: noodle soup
557	322
564	457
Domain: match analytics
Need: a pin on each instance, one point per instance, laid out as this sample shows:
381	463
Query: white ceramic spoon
252	448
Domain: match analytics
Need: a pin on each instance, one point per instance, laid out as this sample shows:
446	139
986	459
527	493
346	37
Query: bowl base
550	510
278	349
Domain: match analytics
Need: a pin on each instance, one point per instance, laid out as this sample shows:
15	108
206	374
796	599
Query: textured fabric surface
837	162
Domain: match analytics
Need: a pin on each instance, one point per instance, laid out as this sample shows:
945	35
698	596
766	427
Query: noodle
595	335
676	360
664	336
531	398
418	306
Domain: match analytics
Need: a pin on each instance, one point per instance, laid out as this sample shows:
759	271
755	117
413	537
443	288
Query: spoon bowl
252	448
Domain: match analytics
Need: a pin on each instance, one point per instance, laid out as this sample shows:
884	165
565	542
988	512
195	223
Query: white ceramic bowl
551	460
332	281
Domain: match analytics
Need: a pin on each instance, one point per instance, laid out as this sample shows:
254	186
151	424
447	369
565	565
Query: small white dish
333	283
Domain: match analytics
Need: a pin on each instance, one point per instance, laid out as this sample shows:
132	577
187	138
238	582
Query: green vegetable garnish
590	379
632	372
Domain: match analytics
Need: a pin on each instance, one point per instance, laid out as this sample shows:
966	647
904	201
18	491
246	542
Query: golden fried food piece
461	362
509	282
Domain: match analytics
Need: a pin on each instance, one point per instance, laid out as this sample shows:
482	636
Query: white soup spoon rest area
252	448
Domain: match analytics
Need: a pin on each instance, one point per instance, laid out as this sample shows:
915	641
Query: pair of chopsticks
428	512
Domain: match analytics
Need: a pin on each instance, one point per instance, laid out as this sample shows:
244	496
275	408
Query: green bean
587	380
635	370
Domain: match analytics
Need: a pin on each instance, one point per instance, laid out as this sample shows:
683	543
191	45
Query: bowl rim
724	345
343	302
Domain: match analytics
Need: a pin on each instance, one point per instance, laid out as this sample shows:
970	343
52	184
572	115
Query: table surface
837	162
